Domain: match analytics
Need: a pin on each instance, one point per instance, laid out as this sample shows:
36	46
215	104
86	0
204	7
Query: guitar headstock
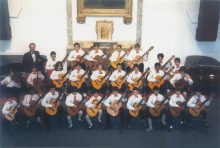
172	57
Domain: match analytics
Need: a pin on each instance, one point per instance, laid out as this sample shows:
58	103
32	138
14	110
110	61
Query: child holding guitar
9	112
78	77
93	108
50	65
71	102
114	108
134	104
177	105
77	55
156	109
197	106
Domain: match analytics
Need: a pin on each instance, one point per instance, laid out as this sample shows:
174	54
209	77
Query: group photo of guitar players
93	87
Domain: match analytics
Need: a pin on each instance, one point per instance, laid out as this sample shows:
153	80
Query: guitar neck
143	74
105	76
166	73
100	100
140	102
103	55
83	56
122	56
124	76
64	58
164	65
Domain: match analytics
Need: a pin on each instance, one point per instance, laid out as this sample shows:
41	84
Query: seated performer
177	105
76	56
133	77
11	84
118	57
98	79
136	52
71	101
96	52
177	66
9	112
29	101
197	106
160	57
51	103
91	104
181	80
134	106
50	65
78	78
116	99
34	75
155	106
118	79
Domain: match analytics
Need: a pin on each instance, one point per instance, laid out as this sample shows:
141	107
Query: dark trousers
141	115
102	90
121	116
170	117
13	90
189	117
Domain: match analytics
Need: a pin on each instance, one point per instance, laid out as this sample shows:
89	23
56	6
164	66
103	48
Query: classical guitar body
74	111
182	84
59	83
131	86
31	110
196	111
118	84
10	116
175	111
53	110
96	84
152	84
93	111
137	108
78	84
156	111
118	60
113	109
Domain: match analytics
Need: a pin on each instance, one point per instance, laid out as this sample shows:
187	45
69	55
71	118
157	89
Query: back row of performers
86	73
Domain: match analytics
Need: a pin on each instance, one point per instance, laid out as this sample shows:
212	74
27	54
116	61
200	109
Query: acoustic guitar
119	81
82	79
59	83
12	111
120	59
165	64
175	111
80	59
138	58
73	111
53	110
201	106
92	112
137	107
99	60
155	111
114	107
160	78
98	84
138	80
34	105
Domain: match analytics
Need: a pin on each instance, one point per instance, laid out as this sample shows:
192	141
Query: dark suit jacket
29	62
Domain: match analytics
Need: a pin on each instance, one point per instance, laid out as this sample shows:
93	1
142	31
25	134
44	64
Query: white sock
69	120
150	122
88	120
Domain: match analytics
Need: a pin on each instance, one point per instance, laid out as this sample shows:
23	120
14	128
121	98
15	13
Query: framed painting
113	8
104	30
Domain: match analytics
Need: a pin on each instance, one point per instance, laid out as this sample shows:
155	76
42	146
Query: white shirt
151	77
193	100
175	69
178	76
116	74
133	53
174	99
115	55
55	74
28	98
33	57
75	73
112	98
50	64
47	98
133	75
96	73
153	98
93	53
7	106
132	100
33	76
71	98
73	54
9	83
90	101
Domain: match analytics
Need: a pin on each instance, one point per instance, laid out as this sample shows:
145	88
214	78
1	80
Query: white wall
42	22
87	31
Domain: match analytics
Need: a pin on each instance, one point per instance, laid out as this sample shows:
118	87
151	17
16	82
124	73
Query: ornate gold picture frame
104	30
100	8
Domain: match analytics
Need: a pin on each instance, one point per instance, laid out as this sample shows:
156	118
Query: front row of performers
163	91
